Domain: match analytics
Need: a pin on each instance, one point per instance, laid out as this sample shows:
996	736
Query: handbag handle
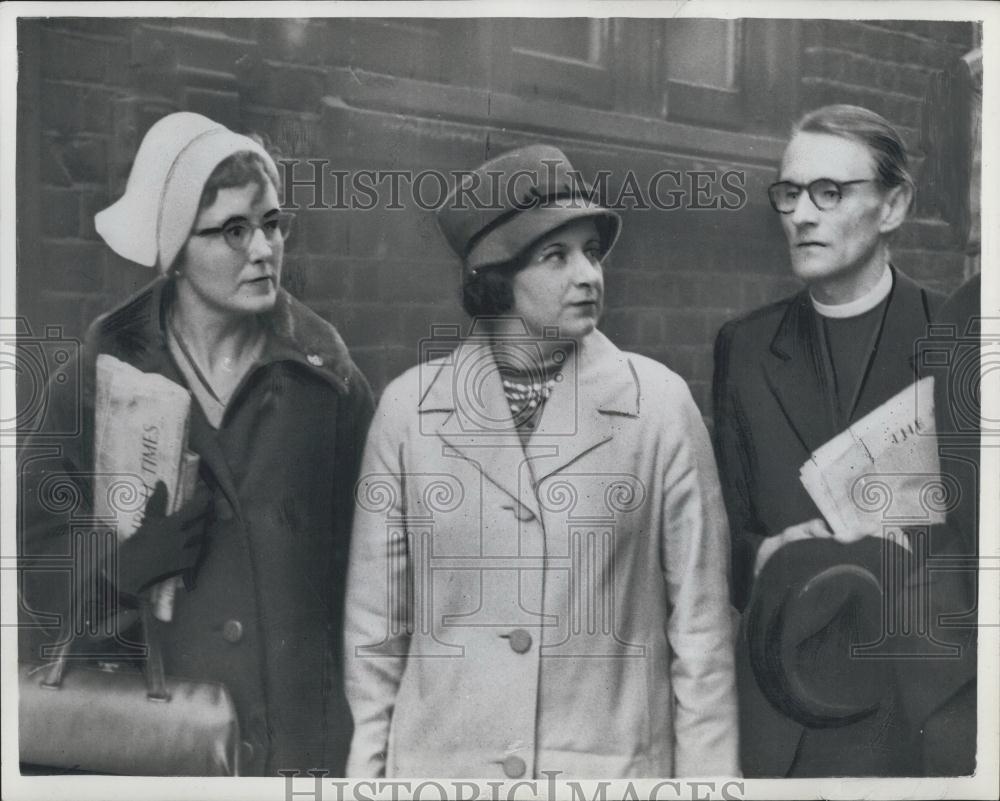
156	683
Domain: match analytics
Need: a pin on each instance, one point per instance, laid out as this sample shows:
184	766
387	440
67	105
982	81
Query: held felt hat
150	223
815	606
495	212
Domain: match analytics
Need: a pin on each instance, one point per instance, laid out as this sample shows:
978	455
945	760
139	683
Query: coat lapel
797	376
599	388
464	405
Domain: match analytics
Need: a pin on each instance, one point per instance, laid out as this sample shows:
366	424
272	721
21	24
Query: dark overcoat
773	405
262	611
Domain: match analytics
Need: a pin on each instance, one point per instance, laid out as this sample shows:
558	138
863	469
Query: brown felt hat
815	606
501	208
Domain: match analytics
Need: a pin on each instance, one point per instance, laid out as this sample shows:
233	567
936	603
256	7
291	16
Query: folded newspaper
140	438
883	473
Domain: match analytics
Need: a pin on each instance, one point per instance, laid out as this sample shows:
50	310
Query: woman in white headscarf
278	416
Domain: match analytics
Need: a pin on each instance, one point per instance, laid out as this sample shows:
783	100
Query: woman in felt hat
278	417
538	570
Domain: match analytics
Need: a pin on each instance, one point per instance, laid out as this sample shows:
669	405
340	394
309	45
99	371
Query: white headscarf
150	223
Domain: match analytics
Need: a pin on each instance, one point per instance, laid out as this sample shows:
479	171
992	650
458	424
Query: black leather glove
164	545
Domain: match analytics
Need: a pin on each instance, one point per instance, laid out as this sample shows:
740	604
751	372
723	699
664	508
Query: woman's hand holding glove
164	545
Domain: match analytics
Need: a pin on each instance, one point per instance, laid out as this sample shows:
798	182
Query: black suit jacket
773	407
774	404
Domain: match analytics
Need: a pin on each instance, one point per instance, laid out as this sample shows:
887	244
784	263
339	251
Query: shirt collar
858	306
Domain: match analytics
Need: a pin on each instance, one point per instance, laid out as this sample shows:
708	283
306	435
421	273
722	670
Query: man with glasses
788	378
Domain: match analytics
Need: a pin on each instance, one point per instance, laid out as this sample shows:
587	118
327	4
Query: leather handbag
125	721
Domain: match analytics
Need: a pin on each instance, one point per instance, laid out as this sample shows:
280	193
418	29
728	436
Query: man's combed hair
869	129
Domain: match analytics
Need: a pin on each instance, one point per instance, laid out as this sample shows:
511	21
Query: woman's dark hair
869	129
238	169
489	292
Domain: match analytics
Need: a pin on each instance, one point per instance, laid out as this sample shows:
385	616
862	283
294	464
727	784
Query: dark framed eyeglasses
238	233
825	193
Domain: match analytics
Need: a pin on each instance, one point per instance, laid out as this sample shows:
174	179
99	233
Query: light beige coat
560	607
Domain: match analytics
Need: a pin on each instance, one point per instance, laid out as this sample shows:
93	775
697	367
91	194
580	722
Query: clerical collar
858	306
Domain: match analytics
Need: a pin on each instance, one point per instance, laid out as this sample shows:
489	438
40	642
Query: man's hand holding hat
811	528
818	529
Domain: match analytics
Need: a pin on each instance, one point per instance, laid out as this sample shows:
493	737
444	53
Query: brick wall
89	88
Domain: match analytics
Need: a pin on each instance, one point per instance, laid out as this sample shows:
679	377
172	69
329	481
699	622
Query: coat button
514	767
520	641
232	631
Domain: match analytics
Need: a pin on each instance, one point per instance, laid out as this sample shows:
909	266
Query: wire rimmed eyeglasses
238	232
825	193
